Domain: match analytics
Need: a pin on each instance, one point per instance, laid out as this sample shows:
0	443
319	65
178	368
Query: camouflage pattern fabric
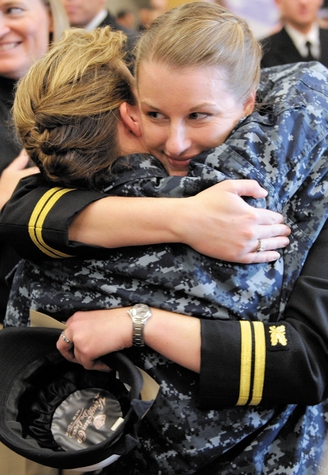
283	145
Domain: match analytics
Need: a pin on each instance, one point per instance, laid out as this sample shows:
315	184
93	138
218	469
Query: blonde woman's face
185	111
25	26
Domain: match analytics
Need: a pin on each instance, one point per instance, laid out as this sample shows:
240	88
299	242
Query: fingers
97	365
266	216
21	161
245	188
278	232
20	164
31	171
66	347
66	340
264	250
271	244
262	257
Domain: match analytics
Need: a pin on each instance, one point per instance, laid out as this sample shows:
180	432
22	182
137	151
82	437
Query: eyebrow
145	103
201	105
193	109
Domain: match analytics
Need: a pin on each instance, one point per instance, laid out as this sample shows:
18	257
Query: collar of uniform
299	40
97	20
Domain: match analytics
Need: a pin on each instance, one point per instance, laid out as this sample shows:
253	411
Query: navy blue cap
58	414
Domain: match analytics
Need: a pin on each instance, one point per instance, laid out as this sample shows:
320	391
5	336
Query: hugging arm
43	221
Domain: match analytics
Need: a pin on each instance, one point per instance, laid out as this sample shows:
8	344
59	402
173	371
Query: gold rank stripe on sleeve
252	364
37	219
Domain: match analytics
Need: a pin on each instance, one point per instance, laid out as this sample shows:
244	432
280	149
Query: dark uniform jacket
279	49
264	347
9	149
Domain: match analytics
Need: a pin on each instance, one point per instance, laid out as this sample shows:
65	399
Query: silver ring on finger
66	340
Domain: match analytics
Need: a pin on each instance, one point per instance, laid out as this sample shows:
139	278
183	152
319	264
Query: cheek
205	137
39	36
213	136
154	136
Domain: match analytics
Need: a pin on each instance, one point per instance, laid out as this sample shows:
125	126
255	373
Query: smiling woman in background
27	28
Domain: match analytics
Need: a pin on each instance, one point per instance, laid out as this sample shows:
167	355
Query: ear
250	103
131	118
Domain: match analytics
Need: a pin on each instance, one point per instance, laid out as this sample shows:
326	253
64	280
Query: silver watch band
139	314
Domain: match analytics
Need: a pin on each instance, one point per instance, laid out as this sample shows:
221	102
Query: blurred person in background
27	28
149	12
126	18
300	39
91	14
26	31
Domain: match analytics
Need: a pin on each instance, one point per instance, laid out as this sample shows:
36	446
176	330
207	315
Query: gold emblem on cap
99	421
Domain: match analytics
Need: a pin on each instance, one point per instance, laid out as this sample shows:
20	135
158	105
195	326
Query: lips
179	163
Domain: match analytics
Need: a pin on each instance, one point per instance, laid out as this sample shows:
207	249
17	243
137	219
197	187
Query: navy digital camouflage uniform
232	419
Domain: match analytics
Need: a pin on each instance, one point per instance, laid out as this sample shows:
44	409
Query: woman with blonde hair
251	330
29	29
68	122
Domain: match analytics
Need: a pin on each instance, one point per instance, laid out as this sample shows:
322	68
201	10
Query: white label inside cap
86	417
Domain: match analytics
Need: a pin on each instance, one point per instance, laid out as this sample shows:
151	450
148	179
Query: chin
178	172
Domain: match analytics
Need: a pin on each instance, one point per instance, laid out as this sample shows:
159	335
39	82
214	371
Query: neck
132	144
128	141
303	28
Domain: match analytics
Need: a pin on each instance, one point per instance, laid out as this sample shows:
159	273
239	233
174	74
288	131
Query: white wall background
262	15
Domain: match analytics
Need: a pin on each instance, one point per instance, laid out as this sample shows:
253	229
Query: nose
177	141
4	28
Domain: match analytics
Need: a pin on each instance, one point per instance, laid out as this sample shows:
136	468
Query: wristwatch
139	313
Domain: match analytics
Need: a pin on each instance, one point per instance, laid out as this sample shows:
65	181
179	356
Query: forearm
99	332
129	222
217	222
177	337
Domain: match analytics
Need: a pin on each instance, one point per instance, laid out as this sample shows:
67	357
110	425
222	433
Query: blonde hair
59	18
204	34
66	108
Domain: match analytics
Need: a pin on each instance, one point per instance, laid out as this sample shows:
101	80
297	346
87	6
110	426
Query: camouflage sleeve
36	219
272	362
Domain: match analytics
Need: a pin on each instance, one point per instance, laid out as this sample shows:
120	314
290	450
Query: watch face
141	311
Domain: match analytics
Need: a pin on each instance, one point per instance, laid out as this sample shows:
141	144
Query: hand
94	334
12	174
99	332
222	225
